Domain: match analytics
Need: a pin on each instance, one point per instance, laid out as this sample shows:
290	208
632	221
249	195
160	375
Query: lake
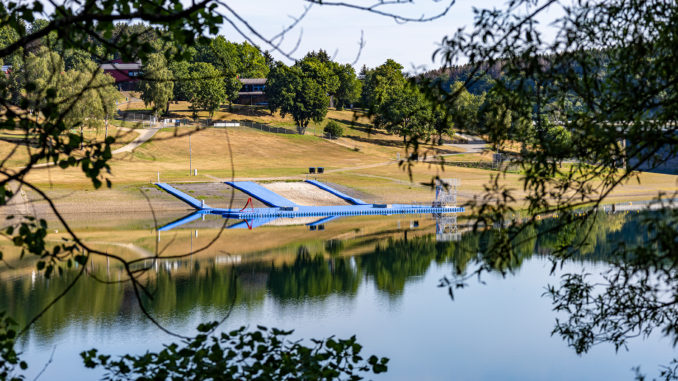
375	277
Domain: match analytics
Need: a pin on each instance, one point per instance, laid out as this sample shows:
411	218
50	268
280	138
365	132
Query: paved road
469	148
144	135
474	145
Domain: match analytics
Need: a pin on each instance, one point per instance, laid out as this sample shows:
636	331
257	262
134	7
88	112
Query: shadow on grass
381	142
362	127
246	110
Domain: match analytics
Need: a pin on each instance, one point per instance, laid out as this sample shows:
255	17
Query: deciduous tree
206	90
299	91
157	86
349	89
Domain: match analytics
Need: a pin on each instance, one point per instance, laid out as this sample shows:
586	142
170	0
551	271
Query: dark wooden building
253	92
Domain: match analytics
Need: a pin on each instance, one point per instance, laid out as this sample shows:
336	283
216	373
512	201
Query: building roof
253	81
121	66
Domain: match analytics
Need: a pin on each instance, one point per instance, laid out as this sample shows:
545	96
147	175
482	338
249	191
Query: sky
338	29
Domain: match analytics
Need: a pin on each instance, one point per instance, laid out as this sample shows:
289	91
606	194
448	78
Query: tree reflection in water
636	294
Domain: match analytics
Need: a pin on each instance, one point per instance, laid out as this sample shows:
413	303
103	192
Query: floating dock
280	207
335	192
262	194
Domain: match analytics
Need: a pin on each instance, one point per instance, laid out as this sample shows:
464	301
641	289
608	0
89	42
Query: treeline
207	79
305	89
207	74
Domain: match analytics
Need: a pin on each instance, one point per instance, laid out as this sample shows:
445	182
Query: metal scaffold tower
446	228
446	193
446	197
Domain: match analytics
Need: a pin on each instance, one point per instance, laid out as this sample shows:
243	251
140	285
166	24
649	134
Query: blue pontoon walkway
262	194
335	192
182	196
284	208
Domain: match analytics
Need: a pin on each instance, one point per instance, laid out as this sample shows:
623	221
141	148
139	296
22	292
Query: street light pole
190	167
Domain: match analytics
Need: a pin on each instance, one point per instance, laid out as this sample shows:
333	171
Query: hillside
363	160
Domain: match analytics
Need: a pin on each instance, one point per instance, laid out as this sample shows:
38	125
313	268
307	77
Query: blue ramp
181	196
251	224
181	221
323	221
335	192
262	194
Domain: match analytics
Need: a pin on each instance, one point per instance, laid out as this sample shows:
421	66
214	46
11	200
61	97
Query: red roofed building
126	74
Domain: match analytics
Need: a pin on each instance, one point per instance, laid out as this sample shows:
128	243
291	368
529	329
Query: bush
259	354
334	129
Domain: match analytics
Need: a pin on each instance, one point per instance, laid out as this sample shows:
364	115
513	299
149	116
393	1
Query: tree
40	74
43	107
224	56
143	39
378	85
50	40
407	113
87	96
333	129
207	90
157	85
253	63
181	76
8	35
398	106
300	90
603	95
320	69
235	61
264	354
465	108
9	358
75	59
276	84
349	89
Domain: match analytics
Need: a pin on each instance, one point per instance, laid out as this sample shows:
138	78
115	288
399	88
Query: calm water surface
372	277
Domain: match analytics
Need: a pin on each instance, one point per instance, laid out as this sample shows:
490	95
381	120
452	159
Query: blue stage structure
335	192
284	208
262	194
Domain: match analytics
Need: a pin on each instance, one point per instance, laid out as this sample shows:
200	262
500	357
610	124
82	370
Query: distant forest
460	73
596	60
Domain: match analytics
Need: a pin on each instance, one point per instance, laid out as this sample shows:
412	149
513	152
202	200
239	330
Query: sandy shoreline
148	199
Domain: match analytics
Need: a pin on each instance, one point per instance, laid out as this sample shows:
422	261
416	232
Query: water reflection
182	287
344	264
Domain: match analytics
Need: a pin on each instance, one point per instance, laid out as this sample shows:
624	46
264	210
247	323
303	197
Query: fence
501	166
148	120
262	127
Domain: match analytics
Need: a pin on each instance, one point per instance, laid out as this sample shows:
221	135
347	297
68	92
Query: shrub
334	129
258	354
